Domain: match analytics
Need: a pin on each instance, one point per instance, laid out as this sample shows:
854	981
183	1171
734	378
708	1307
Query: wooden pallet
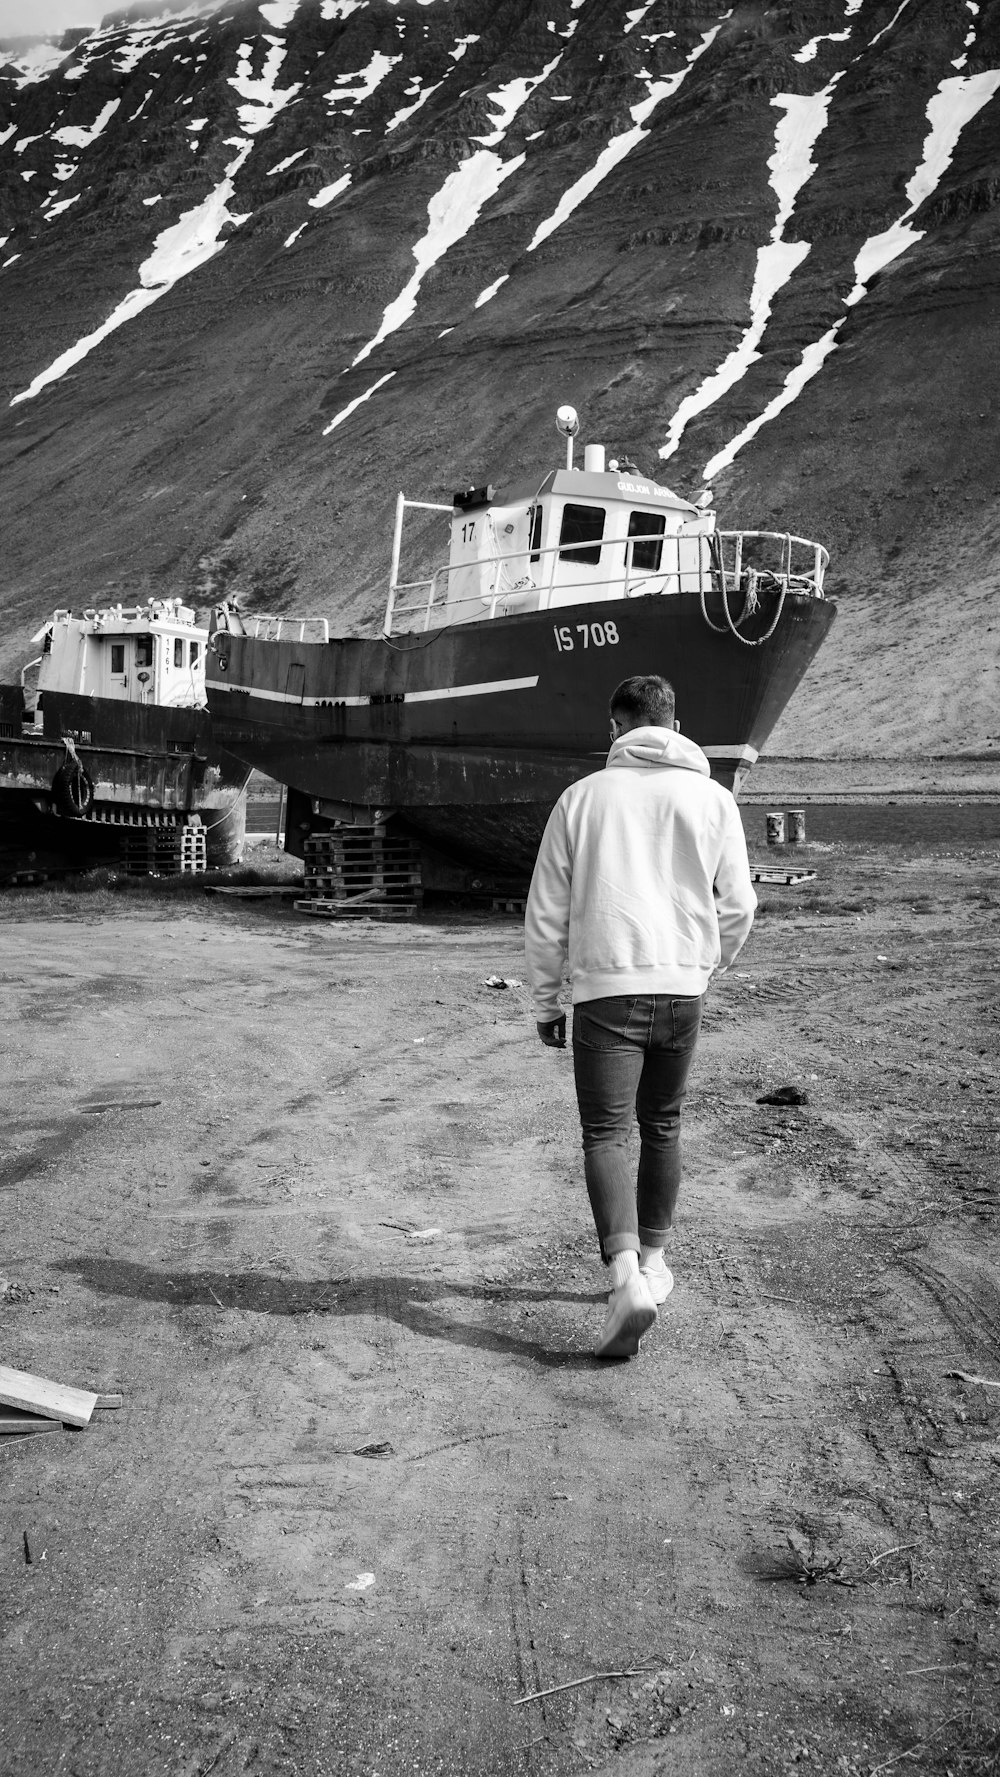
346	882
164	851
193	855
349	836
348	865
324	909
787	878
501	904
22	878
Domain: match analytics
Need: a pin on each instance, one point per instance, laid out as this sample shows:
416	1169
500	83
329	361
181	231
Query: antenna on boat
568	423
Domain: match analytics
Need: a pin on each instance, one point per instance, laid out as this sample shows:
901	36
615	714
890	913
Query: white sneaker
659	1279
631	1312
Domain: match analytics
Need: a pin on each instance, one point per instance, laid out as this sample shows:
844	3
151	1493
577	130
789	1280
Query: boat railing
262	628
741	565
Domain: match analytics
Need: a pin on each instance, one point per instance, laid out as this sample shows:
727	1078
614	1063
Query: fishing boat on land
487	691
106	749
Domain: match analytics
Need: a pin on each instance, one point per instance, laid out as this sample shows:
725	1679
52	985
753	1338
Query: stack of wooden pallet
193	849
163	850
361	873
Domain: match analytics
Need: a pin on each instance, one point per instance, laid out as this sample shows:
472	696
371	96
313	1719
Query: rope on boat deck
751	604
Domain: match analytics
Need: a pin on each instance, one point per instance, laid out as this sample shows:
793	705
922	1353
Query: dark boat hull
148	764
470	734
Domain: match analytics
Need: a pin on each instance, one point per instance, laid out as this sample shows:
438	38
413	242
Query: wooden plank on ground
381	910
14	1423
53	1400
253	893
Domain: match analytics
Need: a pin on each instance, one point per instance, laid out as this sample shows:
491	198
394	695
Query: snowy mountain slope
262	266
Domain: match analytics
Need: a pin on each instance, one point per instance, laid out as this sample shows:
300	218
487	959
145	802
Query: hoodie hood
647	749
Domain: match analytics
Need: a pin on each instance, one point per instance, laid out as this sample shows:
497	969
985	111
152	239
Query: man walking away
642	881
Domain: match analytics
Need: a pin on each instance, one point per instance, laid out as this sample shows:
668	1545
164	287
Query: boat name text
593	635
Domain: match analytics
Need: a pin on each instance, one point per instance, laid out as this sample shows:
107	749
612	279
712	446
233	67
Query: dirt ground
310	1198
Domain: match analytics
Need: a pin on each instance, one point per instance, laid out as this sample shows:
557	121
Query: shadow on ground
411	1302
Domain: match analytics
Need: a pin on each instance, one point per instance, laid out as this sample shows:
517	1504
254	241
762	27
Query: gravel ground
310	1198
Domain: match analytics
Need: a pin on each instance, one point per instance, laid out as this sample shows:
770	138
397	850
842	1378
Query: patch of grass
103	888
797	901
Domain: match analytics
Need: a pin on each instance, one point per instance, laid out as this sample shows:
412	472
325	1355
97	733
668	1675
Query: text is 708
592	635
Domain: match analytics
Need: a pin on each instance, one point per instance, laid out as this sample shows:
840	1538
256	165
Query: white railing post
397	538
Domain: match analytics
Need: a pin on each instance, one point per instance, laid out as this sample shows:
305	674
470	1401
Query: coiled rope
751	603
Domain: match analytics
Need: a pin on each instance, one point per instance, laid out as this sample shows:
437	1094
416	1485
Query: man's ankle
622	1267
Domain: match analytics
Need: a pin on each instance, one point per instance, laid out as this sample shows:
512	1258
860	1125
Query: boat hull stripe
486	689
746	754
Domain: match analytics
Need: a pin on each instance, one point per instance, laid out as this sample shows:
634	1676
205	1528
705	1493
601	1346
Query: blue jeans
633	1052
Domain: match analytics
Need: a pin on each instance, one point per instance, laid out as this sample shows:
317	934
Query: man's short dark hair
646	701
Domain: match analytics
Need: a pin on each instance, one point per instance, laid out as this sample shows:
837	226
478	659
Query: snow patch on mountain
452	211
809	50
262	98
196	237
329	192
72	137
509	100
177	252
957	100
345	412
488	294
970	36
790	166
36	62
279	13
368	80
620	146
420	96
901	8
289	161
57	209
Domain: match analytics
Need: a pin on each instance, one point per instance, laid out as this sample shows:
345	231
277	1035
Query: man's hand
553	1034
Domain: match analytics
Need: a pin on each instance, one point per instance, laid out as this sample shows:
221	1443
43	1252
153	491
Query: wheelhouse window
536	532
193	650
143	650
580	534
118	657
178	651
647	528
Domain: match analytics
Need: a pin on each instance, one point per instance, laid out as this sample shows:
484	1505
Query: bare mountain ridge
625	192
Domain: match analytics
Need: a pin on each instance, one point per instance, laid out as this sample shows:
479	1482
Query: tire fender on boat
73	790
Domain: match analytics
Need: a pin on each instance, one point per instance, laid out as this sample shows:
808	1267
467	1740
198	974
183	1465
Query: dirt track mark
974	1318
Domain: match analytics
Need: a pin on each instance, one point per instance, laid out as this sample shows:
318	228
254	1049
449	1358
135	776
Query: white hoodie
642	878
